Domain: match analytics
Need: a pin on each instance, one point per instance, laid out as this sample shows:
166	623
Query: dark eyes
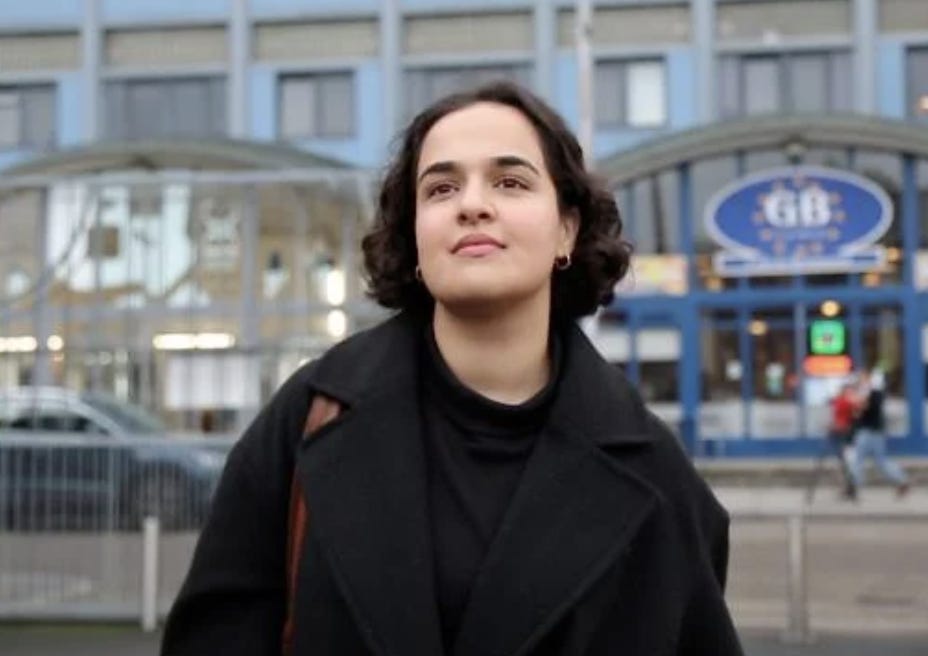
440	189
511	183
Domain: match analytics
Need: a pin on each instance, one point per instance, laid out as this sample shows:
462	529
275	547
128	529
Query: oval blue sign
803	215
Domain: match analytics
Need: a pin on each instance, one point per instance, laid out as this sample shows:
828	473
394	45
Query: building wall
131	33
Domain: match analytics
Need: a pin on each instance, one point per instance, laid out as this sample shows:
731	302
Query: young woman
488	484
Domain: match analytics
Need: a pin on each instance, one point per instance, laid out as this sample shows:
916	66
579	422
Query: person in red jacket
844	410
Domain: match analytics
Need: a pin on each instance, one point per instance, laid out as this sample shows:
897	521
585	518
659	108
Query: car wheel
163	497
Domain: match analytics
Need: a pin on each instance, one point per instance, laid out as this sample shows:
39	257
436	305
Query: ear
570	226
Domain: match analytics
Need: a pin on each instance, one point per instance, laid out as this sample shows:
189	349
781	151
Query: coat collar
575	509
602	405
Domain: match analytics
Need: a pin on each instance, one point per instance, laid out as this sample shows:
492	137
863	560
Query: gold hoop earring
562	262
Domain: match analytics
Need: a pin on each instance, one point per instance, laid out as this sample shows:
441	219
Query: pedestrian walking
870	435
473	477
844	410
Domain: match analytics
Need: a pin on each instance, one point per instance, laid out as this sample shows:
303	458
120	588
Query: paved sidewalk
739	499
865	561
95	640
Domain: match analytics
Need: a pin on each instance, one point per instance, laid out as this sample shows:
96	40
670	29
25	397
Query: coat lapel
365	481
575	511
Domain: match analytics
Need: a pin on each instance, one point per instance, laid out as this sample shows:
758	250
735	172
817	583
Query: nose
475	205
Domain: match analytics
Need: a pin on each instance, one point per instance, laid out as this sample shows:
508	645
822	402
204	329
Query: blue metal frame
686	312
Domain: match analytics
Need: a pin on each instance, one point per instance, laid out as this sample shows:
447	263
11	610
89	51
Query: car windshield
131	418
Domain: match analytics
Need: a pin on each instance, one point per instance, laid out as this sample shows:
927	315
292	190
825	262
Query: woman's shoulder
663	462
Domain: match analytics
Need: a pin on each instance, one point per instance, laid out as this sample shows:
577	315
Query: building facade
183	186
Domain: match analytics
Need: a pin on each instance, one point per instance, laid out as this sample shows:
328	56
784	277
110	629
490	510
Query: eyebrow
503	161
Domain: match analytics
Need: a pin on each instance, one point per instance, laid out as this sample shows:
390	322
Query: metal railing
103	528
798	614
72	513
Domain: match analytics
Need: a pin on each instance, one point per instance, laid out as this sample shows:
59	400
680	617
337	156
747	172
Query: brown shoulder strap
322	411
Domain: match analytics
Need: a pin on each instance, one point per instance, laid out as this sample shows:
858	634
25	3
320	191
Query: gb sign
795	220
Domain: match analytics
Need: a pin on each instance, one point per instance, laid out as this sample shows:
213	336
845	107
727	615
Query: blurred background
183	188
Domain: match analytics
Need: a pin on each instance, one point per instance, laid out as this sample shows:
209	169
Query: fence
72	510
835	568
75	543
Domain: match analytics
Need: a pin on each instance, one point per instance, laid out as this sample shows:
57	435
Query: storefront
776	257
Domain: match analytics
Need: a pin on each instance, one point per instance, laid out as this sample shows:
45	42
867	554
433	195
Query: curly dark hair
600	257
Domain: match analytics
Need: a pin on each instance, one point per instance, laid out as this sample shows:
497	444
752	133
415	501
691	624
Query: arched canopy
193	154
794	134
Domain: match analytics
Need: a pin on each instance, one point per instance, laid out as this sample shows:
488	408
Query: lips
476	245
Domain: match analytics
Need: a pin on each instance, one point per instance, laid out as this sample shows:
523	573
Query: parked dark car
73	460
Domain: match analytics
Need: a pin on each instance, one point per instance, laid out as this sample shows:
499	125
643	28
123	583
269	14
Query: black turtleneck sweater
475	451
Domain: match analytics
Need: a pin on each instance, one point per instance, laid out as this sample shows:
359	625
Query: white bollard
150	537
797	630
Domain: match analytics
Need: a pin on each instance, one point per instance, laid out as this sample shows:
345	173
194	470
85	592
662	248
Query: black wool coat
611	545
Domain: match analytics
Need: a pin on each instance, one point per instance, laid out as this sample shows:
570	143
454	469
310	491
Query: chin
479	299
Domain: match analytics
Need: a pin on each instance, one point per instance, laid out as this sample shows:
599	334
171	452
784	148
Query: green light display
827	337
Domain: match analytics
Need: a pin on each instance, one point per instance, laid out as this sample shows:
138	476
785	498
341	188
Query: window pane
426	85
729	87
186	107
27	116
9	119
317	105
809	83
842	96
116	122
218	106
775	399
38	105
761	85
646	101
721	412
336	106
148	108
917	75
191	100
297	108
610	94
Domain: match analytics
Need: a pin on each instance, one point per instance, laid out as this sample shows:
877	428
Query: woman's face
488	227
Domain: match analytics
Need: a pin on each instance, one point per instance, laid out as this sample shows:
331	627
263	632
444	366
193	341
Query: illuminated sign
654	274
801	219
827	337
827	365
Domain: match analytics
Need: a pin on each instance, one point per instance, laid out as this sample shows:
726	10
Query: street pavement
866	562
95	640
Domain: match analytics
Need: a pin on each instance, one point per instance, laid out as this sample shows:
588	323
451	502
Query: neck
502	357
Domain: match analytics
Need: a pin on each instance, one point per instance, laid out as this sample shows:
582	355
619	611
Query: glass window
885	170
54	421
27	117
647	90
808	84
631	93
651	213
774	379
721	413
180	107
787	82
762	79
426	85
917	82
317	105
